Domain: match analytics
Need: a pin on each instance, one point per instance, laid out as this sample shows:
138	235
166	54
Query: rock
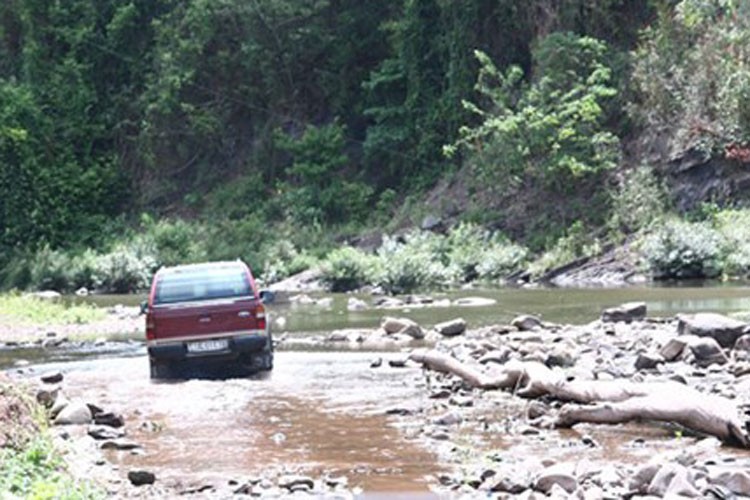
355	304
451	328
499	356
640	481
52	342
526	322
376	363
736	481
52	378
389	303
119	444
403	326
141	477
102	432
398	362
449	418
561	475
631	311
292	481
723	329
561	358
474	302
433	223
646	361
74	413
46	295
672	480
707	351
82	292
338	336
743	343
109	418
302	299
47	397
673	349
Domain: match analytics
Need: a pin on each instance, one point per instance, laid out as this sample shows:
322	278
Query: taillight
260	317
150	328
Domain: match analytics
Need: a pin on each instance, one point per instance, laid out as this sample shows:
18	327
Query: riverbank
528	434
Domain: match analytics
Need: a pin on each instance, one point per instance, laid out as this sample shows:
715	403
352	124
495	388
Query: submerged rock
403	326
631	311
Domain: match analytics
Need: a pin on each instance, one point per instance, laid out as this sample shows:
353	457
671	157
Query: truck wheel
159	369
266	361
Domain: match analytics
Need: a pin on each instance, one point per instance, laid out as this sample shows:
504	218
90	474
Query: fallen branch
609	402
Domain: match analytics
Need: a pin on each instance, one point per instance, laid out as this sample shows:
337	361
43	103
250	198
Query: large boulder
451	328
631	311
526	322
736	481
723	329
402	326
707	351
74	413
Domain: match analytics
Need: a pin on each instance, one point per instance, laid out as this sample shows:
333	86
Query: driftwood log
596	401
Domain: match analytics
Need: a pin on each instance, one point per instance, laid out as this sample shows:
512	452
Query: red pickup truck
206	313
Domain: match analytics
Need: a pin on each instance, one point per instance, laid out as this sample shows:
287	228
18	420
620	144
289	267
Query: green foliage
734	227
36	469
552	128
691	74
315	191
347	268
639	202
283	259
30	309
683	250
576	243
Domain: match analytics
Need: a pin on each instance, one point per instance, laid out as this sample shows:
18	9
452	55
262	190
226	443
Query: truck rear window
202	284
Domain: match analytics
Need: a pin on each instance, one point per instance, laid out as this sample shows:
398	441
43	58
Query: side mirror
144	307
267	296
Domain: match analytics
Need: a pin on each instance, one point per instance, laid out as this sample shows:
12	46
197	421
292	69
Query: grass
32	467
29	309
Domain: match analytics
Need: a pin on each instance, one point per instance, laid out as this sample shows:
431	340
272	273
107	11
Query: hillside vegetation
139	133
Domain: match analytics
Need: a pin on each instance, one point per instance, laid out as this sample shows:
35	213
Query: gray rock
376	363
643	476
74	413
52	378
736	481
293	481
673	349
560	357
723	329
474	302
707	351
449	418
526	322
338	336
141	477
647	361
433	223
672	480
47	397
82	292
102	432
631	311
561	475
109	418
402	326
119	444
355	304
451	328
743	343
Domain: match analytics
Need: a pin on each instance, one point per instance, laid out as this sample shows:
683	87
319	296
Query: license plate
208	345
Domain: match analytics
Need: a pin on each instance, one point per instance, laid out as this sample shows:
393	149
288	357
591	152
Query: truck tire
159	369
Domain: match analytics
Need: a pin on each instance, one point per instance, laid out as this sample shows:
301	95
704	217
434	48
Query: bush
416	263
348	269
577	243
124	270
734	227
283	260
683	250
501	260
639	203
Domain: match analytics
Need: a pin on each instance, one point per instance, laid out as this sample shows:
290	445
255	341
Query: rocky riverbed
337	424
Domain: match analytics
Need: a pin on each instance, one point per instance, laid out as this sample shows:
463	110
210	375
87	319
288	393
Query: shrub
575	244
734	227
500	260
416	263
347	269
176	242
124	270
639	202
283	260
683	250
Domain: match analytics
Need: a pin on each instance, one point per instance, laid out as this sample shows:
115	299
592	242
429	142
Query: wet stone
110	419
376	363
451	328
52	378
102	432
632	311
292	481
398	363
141	477
119	444
526	322
449	418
